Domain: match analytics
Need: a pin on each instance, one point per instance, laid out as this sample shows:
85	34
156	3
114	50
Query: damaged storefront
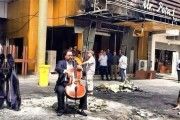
140	21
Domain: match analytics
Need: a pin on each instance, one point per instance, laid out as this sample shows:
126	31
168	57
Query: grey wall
131	43
3	10
2	31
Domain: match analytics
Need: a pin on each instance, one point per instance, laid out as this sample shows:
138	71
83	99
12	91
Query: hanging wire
13	32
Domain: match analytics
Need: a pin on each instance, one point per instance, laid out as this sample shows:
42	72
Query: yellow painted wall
33	32
18	19
63	9
33	29
23	20
143	47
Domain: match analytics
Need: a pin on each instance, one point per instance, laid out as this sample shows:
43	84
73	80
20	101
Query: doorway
18	43
60	39
163	61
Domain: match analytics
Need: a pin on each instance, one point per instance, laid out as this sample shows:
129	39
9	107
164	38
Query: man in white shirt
103	65
122	65
90	71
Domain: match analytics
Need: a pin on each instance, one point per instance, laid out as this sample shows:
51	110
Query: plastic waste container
44	75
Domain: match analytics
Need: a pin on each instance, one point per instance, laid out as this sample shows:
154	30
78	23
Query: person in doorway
114	66
119	53
90	71
178	70
103	65
13	96
122	65
65	70
109	61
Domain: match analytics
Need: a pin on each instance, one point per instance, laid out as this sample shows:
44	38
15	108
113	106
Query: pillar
153	47
42	30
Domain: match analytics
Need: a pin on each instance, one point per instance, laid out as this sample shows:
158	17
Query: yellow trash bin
44	75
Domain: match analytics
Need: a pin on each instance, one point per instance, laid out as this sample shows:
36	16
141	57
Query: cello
75	89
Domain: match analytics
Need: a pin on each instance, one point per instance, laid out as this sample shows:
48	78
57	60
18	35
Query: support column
42	30
80	41
175	58
153	47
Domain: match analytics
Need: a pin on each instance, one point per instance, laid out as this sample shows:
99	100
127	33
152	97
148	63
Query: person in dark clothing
75	51
12	85
2	81
89	5
63	68
114	66
10	81
109	61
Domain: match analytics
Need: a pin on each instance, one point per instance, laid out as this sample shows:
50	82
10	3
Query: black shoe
60	113
82	113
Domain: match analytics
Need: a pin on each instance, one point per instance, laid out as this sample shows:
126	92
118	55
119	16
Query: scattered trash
125	86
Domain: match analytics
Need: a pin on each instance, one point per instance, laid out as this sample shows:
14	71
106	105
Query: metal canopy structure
114	11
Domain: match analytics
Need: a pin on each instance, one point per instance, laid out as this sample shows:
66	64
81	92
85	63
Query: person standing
114	66
90	71
109	61
64	68
103	65
178	70
123	66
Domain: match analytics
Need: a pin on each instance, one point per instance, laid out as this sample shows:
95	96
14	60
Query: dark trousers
178	72
109	69
2	92
103	71
61	96
122	74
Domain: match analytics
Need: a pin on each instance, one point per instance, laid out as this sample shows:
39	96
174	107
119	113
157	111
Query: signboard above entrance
172	32
167	11
162	8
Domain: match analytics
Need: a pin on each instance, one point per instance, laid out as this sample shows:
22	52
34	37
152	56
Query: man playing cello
64	69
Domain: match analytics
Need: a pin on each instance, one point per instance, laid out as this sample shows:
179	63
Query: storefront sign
172	32
161	8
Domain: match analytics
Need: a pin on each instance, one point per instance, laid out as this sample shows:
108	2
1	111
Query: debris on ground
126	86
144	114
96	105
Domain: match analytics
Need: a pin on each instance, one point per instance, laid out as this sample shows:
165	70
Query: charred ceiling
113	11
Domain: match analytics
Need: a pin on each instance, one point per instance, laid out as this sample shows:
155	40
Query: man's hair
65	52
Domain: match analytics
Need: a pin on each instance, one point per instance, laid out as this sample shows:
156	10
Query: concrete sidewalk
155	102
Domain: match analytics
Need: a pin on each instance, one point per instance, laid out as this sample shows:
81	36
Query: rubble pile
96	105
125	86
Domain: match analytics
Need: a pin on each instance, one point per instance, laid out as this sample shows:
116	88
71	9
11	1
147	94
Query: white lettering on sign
147	5
161	9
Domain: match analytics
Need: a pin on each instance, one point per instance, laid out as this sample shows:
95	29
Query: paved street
154	102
